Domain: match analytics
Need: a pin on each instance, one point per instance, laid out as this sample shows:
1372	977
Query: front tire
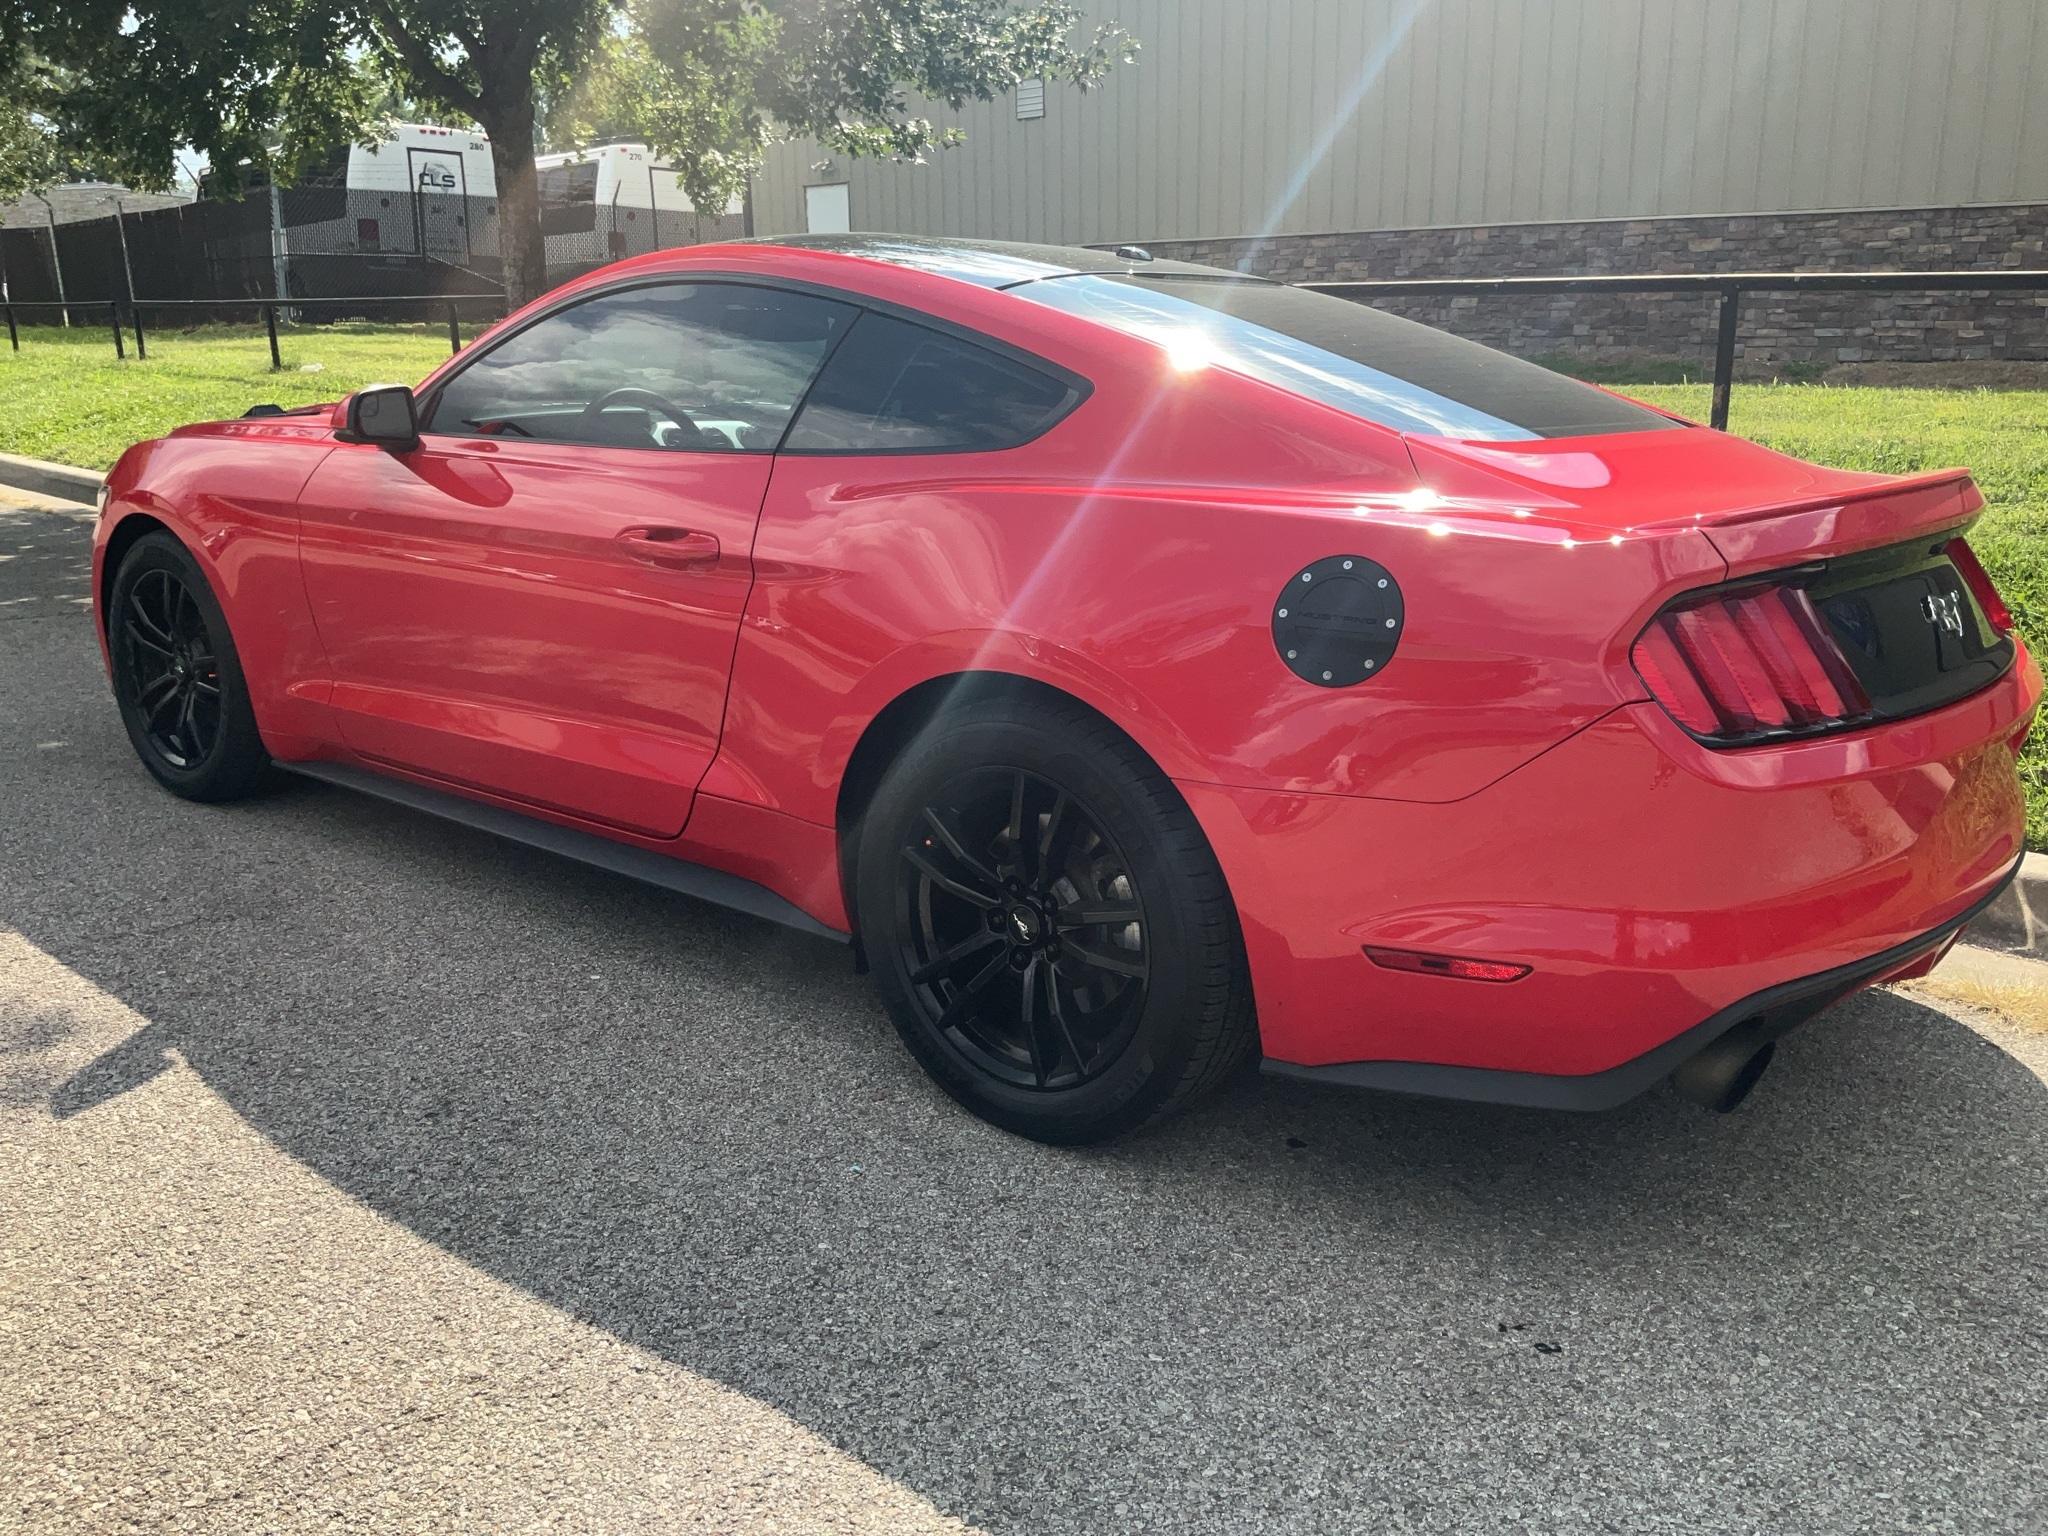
1048	925
178	678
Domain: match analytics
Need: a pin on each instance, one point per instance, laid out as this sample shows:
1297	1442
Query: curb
2018	920
47	479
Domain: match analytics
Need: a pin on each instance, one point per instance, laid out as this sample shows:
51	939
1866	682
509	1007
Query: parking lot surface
360	1172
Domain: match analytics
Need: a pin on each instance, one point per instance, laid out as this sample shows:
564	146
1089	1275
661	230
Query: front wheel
177	677
1048	924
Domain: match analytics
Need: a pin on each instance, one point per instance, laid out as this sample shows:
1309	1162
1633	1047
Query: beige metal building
1248	118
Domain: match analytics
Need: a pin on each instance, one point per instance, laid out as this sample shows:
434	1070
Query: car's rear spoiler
1761	538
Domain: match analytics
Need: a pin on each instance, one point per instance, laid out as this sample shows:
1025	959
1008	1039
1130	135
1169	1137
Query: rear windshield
1362	360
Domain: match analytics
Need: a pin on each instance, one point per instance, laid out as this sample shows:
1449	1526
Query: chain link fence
318	248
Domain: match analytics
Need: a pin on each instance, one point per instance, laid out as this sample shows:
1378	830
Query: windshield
1378	366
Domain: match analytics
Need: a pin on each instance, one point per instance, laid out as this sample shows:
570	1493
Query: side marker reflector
1446	965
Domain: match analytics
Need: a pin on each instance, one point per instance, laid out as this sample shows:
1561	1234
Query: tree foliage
274	86
34	154
697	110
709	83
29	157
251	84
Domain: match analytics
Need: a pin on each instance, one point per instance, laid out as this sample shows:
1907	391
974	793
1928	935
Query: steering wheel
687	433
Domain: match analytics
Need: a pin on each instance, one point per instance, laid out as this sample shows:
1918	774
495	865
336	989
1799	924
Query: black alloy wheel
1047	922
177	676
173	673
1022	929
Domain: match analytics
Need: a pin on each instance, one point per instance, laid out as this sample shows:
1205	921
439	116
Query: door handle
675	547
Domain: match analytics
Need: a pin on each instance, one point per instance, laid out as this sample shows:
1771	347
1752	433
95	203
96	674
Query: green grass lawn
64	397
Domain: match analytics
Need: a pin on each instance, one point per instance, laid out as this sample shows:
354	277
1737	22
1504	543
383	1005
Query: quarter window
894	387
688	367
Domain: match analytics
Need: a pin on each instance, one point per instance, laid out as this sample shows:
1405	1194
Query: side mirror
383	414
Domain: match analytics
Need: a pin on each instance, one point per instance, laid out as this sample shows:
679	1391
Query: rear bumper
1778	1010
1657	890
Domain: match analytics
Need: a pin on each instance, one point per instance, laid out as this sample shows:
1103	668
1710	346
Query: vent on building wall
1030	99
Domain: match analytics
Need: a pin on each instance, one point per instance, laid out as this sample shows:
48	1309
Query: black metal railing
1730	286
438	304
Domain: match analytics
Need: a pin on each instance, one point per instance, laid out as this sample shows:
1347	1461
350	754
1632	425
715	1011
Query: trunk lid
1872	553
1759	506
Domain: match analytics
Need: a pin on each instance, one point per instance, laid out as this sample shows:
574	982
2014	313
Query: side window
690	367
893	387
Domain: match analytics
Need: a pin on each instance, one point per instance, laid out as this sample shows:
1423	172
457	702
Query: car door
541	600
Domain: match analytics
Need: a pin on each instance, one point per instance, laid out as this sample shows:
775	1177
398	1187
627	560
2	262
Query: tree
709	82
28	144
235	79
273	85
32	156
706	81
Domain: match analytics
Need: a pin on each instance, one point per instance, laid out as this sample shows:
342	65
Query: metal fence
1729	287
319	244
329	253
117	320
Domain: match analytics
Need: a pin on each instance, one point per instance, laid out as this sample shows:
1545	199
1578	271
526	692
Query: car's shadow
1341	1311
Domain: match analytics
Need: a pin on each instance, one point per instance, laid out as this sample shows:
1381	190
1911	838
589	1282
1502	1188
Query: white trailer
614	176
444	162
456	162
433	192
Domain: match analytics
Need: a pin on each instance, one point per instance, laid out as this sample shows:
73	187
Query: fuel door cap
1338	622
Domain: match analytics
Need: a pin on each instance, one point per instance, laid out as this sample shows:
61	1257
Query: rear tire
1048	925
178	678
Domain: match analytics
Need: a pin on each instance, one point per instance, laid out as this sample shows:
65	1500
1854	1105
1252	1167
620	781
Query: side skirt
705	884
1780	1010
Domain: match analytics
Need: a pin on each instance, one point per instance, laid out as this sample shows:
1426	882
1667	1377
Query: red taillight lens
1446	965
1750	664
1965	561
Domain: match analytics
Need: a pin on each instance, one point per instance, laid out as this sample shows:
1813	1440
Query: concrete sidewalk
36	501
2003	996
41	477
2018	920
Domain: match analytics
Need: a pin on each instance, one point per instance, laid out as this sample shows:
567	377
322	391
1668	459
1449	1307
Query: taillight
1964	559
1748	665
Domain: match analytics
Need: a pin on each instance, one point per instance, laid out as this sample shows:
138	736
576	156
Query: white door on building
826	210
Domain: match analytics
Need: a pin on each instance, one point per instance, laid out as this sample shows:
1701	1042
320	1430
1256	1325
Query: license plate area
1909	628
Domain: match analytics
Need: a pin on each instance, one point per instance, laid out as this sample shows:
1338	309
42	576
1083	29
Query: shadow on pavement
1293	1309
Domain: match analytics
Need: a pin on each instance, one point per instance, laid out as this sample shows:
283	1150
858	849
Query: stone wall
1776	329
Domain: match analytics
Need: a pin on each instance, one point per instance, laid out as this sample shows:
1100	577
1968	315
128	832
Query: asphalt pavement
358	1171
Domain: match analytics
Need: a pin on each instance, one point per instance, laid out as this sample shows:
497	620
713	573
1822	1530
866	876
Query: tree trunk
520	241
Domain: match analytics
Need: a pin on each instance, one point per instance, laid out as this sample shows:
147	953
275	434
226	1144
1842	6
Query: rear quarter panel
1133	557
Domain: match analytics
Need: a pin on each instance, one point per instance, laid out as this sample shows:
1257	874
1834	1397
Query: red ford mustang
1143	664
